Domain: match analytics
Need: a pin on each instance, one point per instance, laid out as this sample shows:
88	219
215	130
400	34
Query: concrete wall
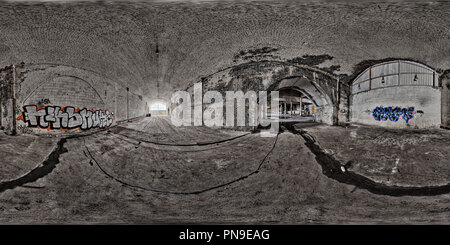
425	100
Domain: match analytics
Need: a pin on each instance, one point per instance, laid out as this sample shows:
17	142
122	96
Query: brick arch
325	88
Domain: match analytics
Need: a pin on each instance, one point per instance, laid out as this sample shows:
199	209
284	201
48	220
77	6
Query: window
394	73
158	107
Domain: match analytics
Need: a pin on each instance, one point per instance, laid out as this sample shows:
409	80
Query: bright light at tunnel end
209	109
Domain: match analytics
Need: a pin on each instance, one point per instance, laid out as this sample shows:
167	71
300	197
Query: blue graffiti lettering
381	113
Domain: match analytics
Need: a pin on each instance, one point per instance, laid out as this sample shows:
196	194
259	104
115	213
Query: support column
13	89
445	100
300	106
290	108
336	106
1	106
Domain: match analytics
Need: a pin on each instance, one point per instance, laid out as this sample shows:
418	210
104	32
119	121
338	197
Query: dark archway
295	105
322	106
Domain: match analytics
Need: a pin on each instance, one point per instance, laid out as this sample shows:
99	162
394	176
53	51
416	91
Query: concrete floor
294	118
148	171
395	157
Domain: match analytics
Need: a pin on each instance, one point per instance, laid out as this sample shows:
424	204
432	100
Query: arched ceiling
158	47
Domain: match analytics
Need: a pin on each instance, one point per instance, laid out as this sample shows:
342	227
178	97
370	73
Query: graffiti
381	113
24	129
55	117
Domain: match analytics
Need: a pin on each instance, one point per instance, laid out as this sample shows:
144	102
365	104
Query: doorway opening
159	109
295	106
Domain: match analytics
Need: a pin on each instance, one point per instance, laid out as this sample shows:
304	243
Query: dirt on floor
20	154
151	172
407	157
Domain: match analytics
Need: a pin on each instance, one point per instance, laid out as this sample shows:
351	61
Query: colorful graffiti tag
65	118
381	113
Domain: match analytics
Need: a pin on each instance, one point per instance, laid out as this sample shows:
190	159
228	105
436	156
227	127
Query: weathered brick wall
50	86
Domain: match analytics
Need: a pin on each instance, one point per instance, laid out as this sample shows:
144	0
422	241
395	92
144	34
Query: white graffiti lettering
55	117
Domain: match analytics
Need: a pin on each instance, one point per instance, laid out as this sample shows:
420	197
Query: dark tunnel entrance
295	106
316	105
159	109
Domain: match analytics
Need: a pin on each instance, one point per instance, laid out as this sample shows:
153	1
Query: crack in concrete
47	166
181	192
168	148
44	169
332	168
186	144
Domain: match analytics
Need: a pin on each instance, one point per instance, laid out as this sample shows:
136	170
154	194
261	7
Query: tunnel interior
87	131
159	109
295	105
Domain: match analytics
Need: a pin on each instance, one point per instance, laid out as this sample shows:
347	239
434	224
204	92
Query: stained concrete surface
288	188
409	157
20	154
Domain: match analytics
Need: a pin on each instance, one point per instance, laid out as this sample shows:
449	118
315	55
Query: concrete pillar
13	89
300	106
1	118
445	99
336	105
